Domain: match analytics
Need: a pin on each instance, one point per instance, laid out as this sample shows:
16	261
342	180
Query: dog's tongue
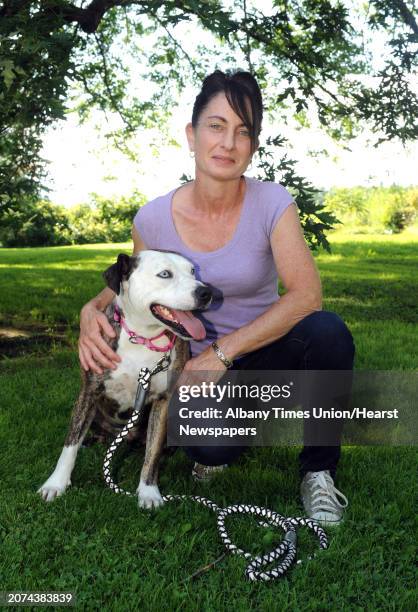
191	323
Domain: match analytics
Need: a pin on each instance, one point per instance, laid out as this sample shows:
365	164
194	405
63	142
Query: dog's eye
165	274
193	271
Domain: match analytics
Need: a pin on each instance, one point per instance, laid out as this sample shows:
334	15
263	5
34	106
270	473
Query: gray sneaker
202	472
319	497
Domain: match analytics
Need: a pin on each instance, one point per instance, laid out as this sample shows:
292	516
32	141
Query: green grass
116	557
372	283
49	285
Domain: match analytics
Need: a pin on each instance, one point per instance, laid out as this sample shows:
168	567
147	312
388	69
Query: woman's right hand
93	350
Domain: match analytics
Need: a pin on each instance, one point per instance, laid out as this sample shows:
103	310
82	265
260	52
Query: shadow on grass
366	280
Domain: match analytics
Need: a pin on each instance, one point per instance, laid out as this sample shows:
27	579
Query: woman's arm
92	349
298	273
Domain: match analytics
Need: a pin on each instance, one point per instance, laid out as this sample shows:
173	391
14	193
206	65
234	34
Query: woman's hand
92	348
206	367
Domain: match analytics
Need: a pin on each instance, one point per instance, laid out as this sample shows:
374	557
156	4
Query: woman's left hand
206	367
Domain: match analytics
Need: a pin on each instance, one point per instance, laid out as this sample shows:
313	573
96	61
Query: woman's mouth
223	160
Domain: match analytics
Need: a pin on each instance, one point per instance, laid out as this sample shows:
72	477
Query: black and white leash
254	571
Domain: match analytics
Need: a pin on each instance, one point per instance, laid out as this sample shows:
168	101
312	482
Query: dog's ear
118	271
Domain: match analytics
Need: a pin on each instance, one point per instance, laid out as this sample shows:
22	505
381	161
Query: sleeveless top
242	274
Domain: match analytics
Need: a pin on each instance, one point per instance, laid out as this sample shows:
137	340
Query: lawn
113	555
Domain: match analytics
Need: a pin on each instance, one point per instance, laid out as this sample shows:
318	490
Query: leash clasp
162	365
290	536
145	374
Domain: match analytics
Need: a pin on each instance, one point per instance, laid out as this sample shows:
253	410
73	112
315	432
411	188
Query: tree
306	52
37	224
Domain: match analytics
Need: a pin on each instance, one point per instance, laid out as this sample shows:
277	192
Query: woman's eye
215	126
165	274
244	133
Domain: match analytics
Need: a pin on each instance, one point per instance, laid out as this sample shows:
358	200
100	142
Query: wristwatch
221	355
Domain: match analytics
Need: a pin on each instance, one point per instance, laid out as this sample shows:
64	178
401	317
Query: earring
191	153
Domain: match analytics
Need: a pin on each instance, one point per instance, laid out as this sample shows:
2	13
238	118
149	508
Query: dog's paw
149	496
52	489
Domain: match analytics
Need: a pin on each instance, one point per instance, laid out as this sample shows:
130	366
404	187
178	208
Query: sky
82	162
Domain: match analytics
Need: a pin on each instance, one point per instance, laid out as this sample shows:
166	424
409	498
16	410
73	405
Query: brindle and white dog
156	290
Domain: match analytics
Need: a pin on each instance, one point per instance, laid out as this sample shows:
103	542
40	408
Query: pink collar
135	339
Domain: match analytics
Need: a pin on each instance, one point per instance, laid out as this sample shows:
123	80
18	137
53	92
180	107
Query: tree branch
12	8
248	46
249	31
178	45
108	87
88	18
407	15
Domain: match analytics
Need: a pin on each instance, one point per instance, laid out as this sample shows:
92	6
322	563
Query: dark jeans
320	341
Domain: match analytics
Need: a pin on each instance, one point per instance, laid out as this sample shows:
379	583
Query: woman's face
220	141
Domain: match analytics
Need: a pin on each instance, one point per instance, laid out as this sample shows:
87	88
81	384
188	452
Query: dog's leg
148	492
81	419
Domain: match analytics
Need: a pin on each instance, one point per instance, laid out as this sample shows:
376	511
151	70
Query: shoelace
324	492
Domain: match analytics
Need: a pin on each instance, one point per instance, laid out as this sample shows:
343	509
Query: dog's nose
203	296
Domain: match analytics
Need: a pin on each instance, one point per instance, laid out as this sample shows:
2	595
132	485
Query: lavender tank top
242	273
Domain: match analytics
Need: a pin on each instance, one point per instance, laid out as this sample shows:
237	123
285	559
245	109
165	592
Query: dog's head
161	287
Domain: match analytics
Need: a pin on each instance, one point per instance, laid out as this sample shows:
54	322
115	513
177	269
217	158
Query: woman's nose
229	139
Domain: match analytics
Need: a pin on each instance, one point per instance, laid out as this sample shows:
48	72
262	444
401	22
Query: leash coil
256	569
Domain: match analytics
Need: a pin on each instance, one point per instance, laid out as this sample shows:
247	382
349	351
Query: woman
241	234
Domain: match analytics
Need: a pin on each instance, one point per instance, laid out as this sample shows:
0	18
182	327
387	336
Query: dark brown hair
238	87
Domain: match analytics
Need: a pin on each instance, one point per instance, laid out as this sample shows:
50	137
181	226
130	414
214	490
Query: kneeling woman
242	234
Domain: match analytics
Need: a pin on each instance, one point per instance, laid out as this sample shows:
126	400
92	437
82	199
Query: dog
155	294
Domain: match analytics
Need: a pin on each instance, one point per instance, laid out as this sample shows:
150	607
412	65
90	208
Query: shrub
376	208
85	225
402	211
35	224
43	223
104	220
117	216
349	204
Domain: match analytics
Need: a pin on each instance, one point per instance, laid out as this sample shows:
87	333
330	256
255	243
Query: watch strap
221	355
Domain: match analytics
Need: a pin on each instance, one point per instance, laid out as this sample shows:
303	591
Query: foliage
86	225
104	220
57	55
35	70
402	210
350	204
379	208
45	224
35	224
314	218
